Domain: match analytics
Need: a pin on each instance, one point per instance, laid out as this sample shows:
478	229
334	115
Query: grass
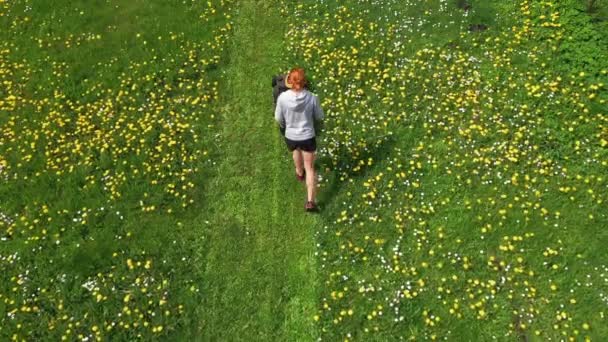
463	221
147	194
108	112
160	191
259	244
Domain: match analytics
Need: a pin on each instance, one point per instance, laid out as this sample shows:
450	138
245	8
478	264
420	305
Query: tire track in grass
259	265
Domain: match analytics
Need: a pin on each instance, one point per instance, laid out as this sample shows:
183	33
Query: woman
296	112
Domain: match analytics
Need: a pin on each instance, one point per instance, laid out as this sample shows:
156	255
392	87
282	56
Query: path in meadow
259	272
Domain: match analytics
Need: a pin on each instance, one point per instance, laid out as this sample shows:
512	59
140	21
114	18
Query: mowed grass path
258	247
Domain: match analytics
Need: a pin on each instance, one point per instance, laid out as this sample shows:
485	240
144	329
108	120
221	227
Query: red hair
297	78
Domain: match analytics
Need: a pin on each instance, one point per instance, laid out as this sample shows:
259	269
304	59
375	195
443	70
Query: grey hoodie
296	112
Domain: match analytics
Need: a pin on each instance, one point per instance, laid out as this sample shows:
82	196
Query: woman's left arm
318	111
318	116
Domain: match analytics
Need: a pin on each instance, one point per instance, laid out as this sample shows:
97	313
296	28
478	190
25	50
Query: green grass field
146	192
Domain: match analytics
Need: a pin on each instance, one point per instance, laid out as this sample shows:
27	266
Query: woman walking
296	112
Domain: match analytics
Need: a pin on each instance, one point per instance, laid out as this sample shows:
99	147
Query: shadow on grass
380	149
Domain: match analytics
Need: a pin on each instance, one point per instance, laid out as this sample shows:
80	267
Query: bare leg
298	161
311	176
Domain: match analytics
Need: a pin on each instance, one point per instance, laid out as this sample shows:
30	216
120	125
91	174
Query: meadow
107	116
464	161
463	169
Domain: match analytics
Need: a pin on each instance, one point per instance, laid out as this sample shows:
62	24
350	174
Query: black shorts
308	145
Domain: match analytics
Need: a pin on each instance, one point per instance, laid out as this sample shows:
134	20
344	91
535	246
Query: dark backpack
278	86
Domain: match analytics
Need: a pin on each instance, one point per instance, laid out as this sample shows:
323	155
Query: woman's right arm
278	115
